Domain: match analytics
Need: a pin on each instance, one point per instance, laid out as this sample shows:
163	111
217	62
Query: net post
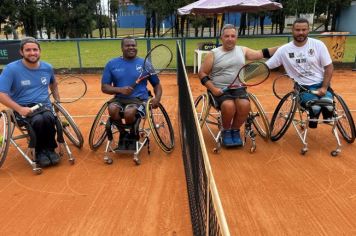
354	68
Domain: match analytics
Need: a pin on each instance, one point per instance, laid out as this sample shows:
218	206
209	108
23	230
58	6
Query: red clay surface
274	191
278	191
93	198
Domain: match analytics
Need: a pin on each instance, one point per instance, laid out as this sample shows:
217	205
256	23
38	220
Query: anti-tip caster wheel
334	153
137	160
108	160
37	171
71	161
303	151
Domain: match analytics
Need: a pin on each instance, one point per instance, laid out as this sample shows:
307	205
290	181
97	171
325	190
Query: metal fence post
148	44
79	57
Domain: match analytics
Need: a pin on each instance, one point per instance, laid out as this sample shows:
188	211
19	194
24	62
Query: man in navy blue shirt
118	77
23	84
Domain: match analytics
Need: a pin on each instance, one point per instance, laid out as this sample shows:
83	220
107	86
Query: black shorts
124	103
231	94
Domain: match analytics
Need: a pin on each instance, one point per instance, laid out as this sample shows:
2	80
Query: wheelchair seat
209	116
18	129
290	110
131	137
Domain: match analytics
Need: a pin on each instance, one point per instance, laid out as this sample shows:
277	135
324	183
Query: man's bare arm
252	54
204	73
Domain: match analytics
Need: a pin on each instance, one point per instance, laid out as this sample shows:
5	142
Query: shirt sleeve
275	60
154	80
6	80
325	58
106	78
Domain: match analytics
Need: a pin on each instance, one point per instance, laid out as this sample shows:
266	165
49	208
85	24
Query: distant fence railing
83	54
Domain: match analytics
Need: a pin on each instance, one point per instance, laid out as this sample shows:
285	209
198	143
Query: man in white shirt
308	62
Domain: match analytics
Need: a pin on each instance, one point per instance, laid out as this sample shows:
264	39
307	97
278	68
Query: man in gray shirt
219	69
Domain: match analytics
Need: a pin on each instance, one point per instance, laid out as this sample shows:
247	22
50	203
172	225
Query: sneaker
53	156
236	138
313	124
227	138
42	159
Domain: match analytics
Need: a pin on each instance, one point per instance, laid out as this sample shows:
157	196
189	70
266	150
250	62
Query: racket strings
254	73
158	59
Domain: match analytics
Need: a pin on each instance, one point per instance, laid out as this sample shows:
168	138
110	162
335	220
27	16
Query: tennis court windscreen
207	214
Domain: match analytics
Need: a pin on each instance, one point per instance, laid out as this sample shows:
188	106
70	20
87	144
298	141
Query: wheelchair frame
289	106
64	124
204	103
155	121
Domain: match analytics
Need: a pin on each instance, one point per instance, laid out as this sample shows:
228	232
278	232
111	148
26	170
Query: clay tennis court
274	191
93	198
278	191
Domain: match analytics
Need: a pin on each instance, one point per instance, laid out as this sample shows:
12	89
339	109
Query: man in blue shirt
23	84
118	77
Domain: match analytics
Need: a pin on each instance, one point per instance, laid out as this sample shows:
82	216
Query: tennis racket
251	74
70	89
156	61
282	85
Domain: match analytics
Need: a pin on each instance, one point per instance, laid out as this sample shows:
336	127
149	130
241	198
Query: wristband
265	53
204	80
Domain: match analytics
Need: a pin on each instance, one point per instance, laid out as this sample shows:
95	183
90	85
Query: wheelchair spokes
4	136
283	116
258	117
70	129
345	123
161	127
97	132
202	107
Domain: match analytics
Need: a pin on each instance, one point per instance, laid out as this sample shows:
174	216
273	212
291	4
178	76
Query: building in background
347	19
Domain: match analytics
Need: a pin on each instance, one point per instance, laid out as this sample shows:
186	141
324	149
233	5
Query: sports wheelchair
210	117
156	122
12	133
290	111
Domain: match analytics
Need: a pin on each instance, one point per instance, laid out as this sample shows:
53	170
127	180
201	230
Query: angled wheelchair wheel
260	121
345	123
202	107
4	136
161	126
283	116
70	129
97	132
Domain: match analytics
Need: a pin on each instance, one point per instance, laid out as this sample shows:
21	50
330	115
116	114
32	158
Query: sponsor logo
311	52
291	55
44	80
25	82
139	68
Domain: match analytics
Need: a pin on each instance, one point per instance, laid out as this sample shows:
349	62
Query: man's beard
31	61
296	38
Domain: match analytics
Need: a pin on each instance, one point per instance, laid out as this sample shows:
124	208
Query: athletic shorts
124	103
231	94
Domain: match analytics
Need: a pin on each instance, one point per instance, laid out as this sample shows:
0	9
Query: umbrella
222	6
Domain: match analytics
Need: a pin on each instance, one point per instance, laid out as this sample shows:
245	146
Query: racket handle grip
35	107
225	89
315	92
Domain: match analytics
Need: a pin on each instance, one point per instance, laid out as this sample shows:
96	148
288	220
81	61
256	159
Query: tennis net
207	214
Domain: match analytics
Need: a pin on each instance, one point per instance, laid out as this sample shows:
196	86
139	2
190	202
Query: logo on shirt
44	80
291	55
311	52
139	68
25	82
